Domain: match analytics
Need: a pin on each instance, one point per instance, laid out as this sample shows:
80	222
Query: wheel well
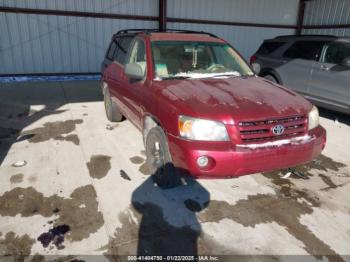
104	86
273	73
148	123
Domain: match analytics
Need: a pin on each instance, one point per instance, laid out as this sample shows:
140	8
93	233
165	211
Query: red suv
202	109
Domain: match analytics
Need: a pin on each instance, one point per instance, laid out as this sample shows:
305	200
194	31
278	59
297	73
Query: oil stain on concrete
328	181
32	179
286	211
69	138
70	211
98	166
137	160
144	169
18	178
13	245
330	184
284	184
321	163
54	130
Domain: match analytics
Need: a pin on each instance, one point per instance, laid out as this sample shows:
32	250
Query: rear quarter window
269	47
111	51
123	46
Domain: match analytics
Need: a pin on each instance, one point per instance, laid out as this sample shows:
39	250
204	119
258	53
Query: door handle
324	68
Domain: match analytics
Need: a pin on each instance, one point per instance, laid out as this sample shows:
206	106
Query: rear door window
269	47
308	50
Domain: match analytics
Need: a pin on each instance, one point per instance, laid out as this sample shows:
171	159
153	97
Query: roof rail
149	31
310	35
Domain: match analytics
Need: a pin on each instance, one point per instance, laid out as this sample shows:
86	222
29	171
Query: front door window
335	53
138	54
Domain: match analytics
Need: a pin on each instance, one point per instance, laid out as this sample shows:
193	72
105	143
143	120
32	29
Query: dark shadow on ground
169	225
333	115
16	100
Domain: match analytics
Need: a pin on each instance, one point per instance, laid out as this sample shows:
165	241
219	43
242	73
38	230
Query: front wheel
112	112
159	159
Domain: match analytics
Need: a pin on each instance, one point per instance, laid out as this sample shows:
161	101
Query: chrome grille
261	130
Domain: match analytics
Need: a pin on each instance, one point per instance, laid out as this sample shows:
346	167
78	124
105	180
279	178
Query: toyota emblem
278	130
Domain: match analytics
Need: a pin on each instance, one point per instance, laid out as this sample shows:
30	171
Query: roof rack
310	35
149	31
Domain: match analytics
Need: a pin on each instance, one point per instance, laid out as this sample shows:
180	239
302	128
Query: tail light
253	59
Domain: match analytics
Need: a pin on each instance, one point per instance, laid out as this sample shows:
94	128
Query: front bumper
230	161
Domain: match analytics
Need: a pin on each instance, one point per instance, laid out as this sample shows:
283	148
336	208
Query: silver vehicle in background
316	66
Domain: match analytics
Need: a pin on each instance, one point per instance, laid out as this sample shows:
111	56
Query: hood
222	99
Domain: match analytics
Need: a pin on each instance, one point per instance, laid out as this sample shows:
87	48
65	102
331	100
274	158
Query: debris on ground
19	163
54	236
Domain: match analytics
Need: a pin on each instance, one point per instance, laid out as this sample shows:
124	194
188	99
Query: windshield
183	59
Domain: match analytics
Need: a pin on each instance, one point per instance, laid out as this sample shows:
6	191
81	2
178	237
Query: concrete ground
84	189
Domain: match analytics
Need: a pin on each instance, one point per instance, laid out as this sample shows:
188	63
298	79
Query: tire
271	78
112	112
159	160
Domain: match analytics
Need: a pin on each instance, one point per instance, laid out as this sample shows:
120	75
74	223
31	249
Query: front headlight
201	129
313	118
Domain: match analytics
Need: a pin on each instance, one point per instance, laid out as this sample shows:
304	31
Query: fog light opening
202	161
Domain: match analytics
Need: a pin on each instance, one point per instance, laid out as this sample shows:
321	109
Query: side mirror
256	68
346	62
134	71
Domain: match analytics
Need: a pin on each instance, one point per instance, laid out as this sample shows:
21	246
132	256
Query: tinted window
269	47
111	50
335	53
309	50
123	47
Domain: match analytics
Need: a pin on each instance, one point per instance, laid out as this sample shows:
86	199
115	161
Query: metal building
71	36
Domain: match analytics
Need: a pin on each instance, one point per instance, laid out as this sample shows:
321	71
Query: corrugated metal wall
55	44
47	44
133	7
245	39
327	12
253	11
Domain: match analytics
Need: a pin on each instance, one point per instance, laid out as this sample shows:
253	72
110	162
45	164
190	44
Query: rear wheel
112	112
271	78
159	159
